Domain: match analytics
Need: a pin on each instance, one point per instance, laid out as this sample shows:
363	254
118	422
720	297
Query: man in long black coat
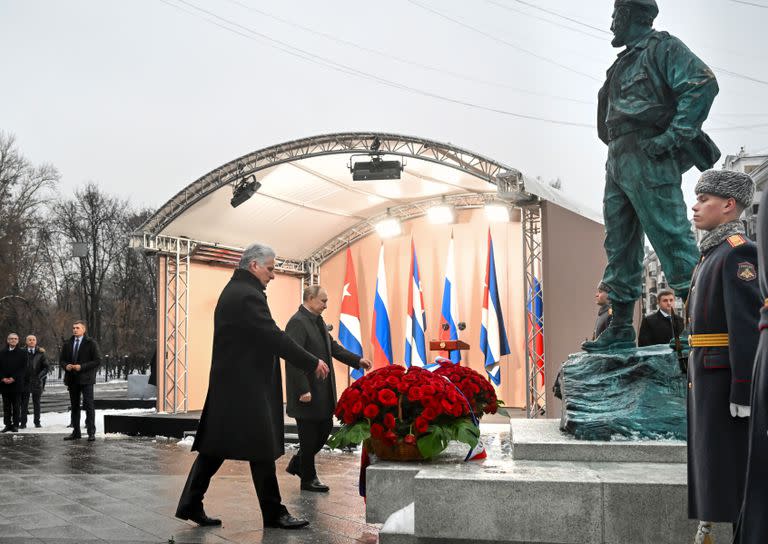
753	523
80	359
37	373
311	401
12	376
242	417
723	310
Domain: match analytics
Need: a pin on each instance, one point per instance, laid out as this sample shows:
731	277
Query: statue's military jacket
659	83
723	311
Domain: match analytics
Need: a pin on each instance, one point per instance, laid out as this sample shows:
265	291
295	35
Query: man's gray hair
256	252
311	292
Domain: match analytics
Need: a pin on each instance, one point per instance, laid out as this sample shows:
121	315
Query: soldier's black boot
620	334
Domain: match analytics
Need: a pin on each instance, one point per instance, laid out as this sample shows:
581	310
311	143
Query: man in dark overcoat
753	523
723	310
242	417
12	376
662	325
37	373
311	401
80	359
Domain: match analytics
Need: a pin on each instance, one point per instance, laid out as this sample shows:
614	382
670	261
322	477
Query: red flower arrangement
473	385
395	406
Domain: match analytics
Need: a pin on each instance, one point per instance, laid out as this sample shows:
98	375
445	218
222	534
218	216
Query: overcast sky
145	96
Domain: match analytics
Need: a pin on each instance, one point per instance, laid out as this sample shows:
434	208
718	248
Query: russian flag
535	326
493	336
381	335
416	320
350	335
449	311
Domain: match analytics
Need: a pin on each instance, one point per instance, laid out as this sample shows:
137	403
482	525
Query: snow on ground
56	422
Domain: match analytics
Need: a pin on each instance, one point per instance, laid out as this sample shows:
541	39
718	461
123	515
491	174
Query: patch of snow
401	522
56	422
186	441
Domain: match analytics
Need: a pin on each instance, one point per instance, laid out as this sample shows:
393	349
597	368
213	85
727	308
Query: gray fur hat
727	184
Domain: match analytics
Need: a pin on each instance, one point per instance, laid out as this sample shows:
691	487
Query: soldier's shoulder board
747	272
736	240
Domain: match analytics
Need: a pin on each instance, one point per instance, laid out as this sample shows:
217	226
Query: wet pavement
124	490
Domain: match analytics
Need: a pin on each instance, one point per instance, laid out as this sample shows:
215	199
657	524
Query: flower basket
474	386
404	414
400	451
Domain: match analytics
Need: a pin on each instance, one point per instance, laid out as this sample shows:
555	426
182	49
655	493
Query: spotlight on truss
244	190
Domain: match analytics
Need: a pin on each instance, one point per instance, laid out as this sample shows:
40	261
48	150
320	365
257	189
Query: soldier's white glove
703	535
739	410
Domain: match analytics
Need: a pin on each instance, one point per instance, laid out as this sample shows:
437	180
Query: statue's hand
658	146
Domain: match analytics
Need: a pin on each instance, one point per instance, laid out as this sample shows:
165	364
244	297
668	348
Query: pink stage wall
470	235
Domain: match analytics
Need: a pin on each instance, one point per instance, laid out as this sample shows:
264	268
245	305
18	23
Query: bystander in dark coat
12	377
37	374
753	522
656	328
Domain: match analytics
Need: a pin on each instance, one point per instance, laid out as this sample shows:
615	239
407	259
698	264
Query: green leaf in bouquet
347	435
434	441
465	431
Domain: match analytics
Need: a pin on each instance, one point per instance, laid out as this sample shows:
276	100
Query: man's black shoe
315	485
286	521
198	517
73	436
91	437
293	467
14	429
23	426
37	425
6	429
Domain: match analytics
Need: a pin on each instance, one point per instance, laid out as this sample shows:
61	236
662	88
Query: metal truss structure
536	399
178	252
175	307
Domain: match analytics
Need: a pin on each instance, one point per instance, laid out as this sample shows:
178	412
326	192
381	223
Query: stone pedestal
541	486
631	393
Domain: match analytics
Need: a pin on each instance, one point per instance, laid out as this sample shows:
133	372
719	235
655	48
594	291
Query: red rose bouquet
474	386
396	408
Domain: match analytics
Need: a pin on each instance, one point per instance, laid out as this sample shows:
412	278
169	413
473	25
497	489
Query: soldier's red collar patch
736	240
747	272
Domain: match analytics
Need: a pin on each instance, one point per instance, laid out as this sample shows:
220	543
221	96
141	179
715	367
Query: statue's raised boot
620	334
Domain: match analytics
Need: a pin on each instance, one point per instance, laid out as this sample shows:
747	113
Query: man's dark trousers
11	406
312	436
264	480
35	406
86	390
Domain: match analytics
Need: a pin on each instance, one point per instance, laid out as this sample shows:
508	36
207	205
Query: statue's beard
620	27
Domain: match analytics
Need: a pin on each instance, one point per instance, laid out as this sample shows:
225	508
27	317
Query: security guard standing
650	111
753	523
722	310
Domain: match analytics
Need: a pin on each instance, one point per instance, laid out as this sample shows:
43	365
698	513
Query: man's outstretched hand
322	370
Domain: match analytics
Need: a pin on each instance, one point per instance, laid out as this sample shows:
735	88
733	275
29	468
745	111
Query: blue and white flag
493	335
416	320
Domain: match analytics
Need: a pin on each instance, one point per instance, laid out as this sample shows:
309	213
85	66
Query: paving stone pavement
124	490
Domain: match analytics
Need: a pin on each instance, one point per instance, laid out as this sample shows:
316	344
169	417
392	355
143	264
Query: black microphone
329	327
446	326
461	325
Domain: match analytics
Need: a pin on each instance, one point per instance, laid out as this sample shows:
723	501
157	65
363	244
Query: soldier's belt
718	340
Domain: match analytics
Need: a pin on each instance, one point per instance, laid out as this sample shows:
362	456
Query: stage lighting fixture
497	213
376	168
389	227
441	214
244	190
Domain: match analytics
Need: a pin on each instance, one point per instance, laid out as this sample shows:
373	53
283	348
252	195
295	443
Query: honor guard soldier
722	310
753	523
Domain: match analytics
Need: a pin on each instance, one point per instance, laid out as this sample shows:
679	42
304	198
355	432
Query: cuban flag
535	326
350	335
381	335
493	335
416	320
449	311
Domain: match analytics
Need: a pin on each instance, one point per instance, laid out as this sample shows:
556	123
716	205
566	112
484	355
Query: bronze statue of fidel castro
656	96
